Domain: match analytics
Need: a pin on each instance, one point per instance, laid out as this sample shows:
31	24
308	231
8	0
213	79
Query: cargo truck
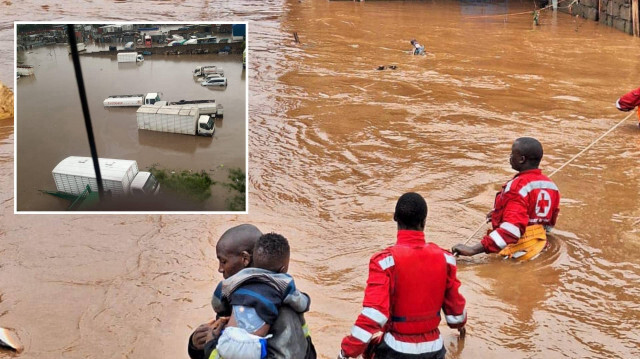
131	100
119	177
207	70
175	119
130	57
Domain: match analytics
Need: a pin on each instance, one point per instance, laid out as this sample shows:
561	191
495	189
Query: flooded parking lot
50	125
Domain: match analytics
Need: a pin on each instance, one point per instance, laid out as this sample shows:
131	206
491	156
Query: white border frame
15	116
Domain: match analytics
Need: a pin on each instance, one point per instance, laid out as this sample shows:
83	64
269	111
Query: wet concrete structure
615	13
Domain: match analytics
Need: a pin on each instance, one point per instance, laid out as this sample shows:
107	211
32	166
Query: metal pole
85	107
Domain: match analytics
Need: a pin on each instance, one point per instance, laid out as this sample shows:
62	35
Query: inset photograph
131	117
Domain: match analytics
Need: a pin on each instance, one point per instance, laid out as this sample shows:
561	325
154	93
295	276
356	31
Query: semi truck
120	177
132	100
175	119
130	57
208	70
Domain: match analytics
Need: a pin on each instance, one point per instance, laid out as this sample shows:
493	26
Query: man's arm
515	218
375	313
454	303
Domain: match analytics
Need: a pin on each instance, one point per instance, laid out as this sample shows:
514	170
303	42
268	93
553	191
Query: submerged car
214	81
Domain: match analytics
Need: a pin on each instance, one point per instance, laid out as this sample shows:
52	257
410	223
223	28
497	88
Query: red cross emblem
543	203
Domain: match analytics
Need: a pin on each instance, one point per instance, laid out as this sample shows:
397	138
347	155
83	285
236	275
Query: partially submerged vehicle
131	100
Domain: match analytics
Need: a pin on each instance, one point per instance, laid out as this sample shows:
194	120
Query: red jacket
529	198
629	101
408	285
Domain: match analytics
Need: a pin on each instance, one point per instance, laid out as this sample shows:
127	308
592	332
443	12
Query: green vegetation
237	184
195	186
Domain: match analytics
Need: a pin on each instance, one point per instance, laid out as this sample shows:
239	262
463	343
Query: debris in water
9	340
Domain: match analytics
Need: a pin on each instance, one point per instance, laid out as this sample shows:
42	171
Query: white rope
565	164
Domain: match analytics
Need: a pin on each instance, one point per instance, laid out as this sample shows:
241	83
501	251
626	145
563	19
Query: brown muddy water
50	125
333	143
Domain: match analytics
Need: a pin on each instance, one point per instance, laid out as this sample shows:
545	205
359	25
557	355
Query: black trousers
384	352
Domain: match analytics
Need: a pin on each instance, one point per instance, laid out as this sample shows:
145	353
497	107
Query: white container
130	57
174	119
80	46
73	174
24	70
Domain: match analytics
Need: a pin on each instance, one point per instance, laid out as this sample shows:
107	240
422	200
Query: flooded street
53	118
333	143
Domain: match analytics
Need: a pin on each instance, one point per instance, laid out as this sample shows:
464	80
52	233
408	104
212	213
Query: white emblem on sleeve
543	203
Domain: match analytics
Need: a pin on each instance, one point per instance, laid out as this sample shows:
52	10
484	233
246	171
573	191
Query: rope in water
524	12
563	166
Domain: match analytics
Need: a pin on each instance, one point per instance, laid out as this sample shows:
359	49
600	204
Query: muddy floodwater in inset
333	143
50	123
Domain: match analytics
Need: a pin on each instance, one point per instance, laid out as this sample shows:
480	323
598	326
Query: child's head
272	252
235	247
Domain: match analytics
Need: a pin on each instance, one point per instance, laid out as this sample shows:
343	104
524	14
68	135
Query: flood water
333	143
50	125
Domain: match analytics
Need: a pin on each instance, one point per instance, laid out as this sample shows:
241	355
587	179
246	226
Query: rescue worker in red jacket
528	203
629	101
409	284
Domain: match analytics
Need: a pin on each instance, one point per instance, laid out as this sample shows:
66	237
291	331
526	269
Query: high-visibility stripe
524	191
508	186
413	348
386	263
361	334
375	315
450	259
456	319
511	228
497	239
214	354
305	330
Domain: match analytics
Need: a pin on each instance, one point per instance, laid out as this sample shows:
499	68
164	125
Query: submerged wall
615	13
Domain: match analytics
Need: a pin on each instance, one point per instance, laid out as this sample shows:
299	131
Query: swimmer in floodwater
417	48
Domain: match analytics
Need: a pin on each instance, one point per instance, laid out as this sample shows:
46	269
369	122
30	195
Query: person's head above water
411	212
526	153
272	253
235	247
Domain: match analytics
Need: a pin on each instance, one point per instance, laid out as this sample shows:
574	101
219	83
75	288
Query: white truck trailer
120	177
130	57
207	107
131	100
175	119
207	70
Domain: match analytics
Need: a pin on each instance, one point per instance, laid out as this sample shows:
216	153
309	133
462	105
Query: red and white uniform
409	283
529	198
629	101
